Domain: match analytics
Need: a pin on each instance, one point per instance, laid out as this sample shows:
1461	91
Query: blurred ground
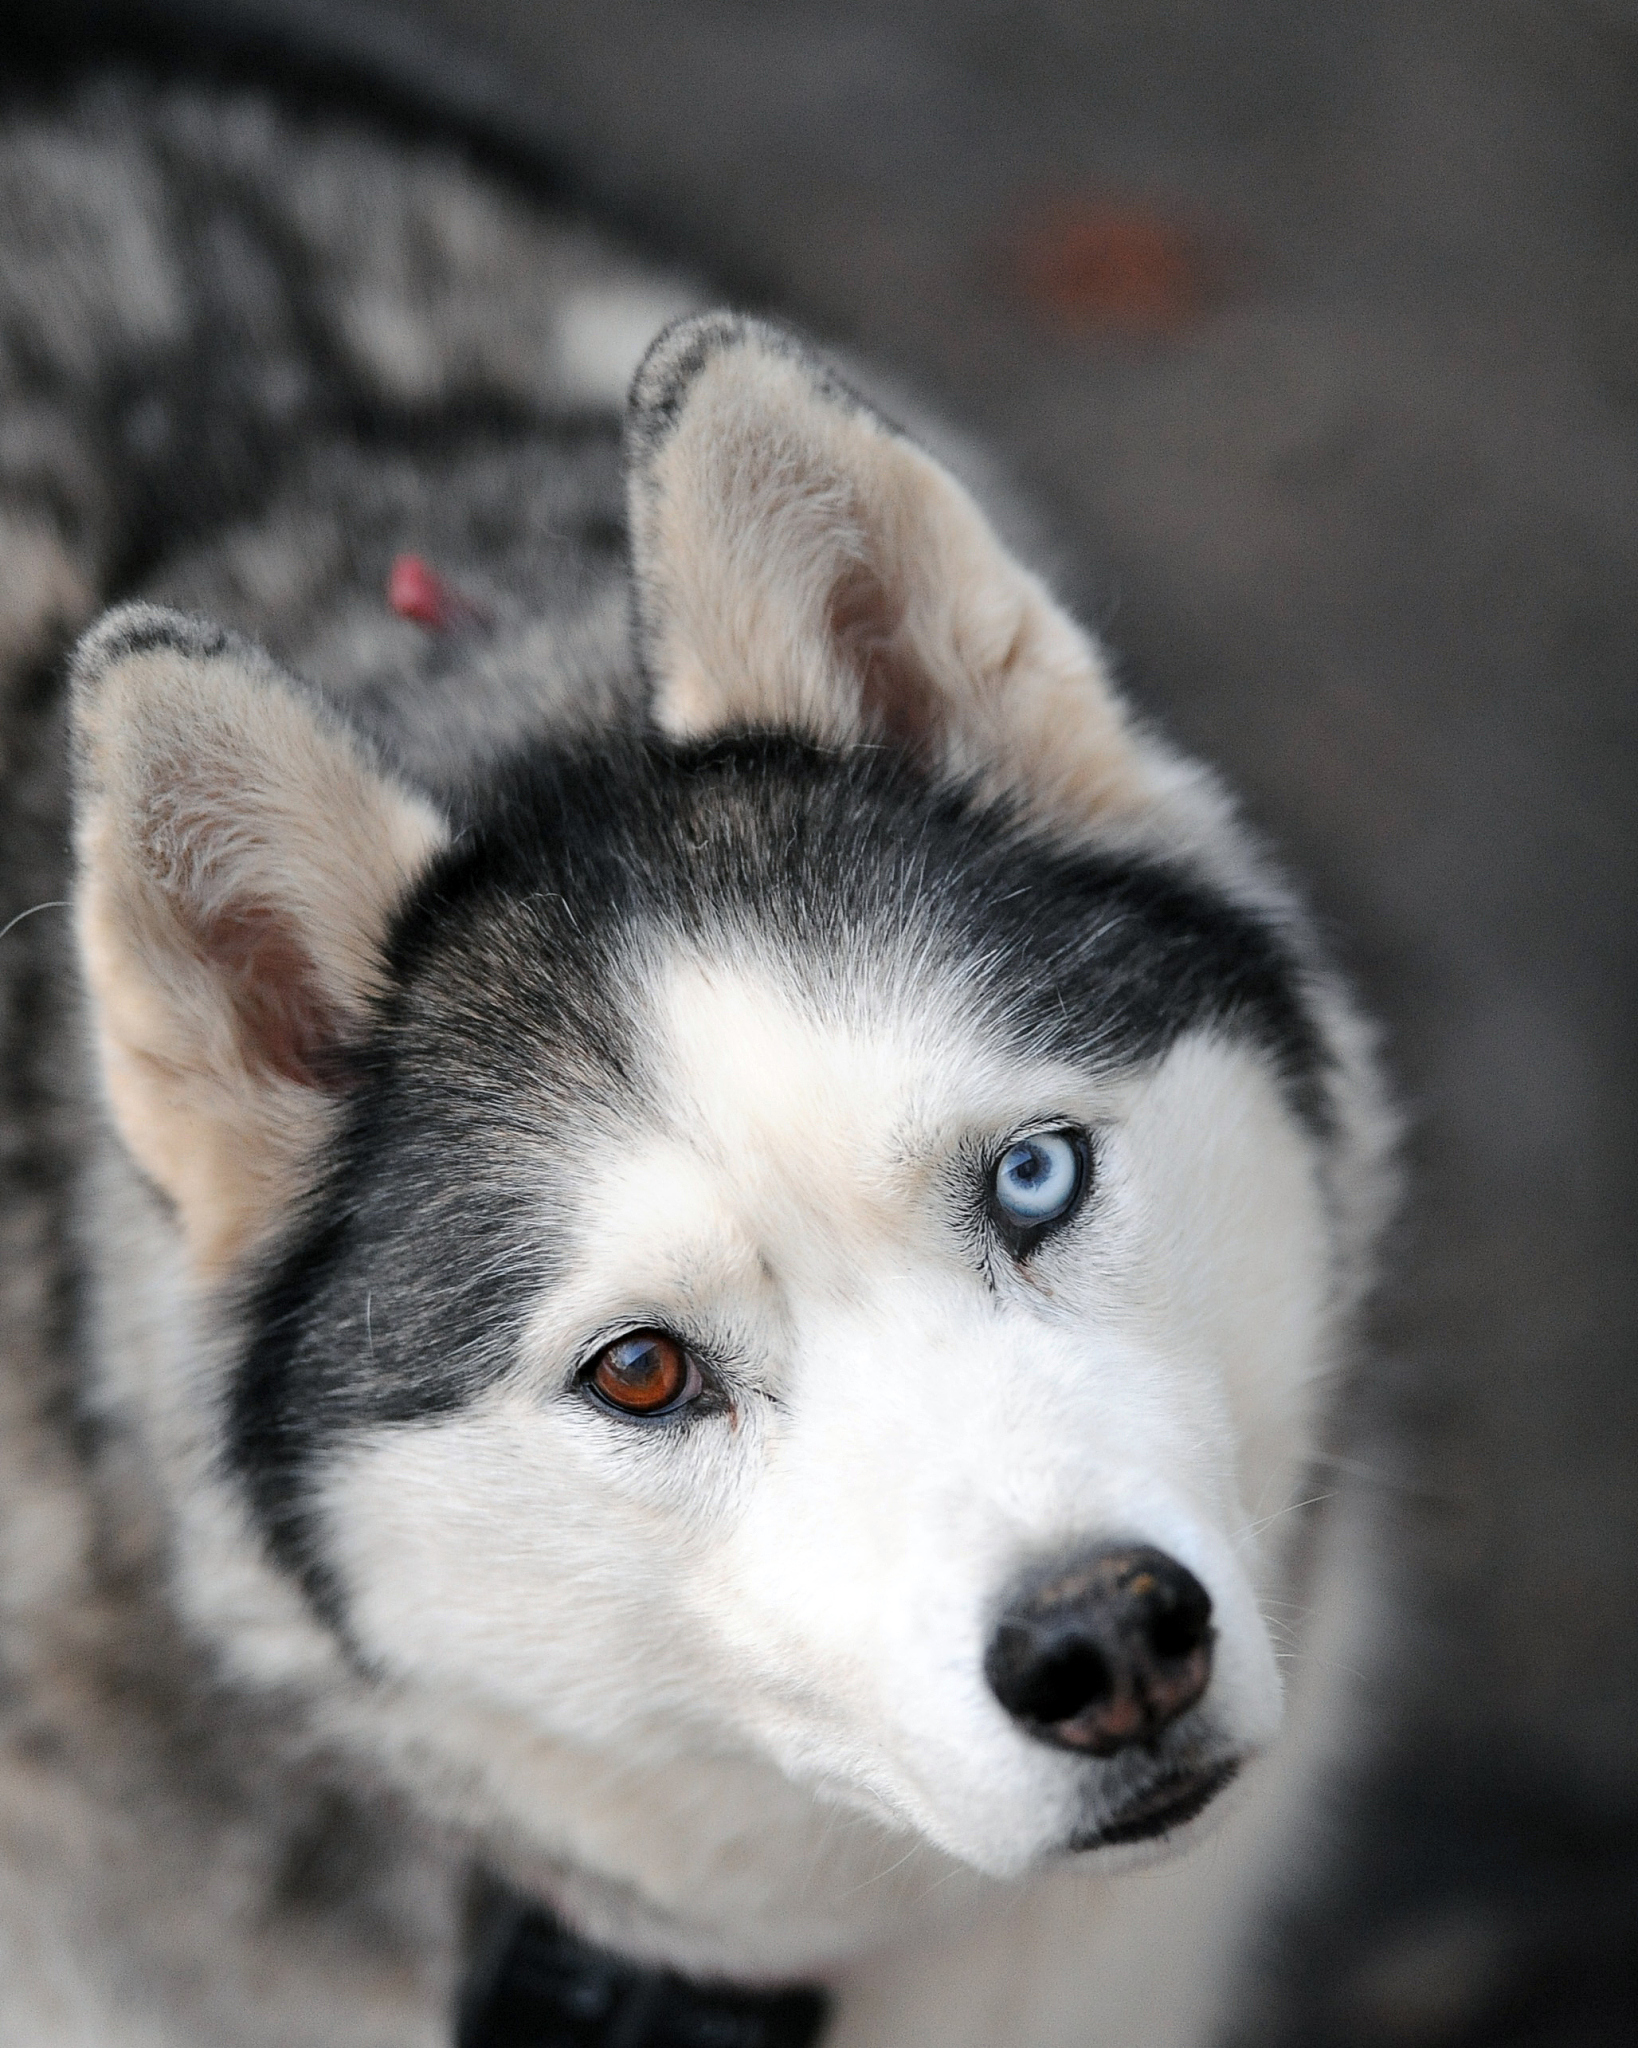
1317	330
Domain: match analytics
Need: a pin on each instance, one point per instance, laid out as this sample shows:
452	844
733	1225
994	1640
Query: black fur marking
667	373
678	353
445	1208
143	628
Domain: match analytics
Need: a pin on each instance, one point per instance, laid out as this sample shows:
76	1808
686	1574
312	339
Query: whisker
1389	1482
1291	1507
56	903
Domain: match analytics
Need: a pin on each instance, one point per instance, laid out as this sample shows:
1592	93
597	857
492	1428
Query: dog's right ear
240	855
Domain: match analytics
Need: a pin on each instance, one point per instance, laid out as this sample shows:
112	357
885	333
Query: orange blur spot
1127	269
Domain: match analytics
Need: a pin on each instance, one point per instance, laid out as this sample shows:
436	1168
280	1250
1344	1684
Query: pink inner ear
897	698
287	1025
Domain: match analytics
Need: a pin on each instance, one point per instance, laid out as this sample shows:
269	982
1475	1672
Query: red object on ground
416	591
1123	268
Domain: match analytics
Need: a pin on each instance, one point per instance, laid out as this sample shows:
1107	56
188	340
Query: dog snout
1105	1653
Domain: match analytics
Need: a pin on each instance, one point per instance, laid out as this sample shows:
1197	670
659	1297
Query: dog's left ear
801	564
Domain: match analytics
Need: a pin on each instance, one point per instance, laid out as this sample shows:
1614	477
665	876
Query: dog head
806	1232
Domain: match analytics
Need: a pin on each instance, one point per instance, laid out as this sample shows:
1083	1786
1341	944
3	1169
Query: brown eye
644	1374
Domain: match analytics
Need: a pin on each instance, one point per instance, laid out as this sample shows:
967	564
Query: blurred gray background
1315	331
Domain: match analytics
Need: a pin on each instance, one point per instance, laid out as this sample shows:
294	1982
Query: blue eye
1037	1182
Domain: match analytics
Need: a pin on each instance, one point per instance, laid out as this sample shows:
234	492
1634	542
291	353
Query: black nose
1105	1652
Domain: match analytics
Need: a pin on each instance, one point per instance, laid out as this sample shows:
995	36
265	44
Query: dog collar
533	1984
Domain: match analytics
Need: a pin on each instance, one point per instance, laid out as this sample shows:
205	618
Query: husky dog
680	1212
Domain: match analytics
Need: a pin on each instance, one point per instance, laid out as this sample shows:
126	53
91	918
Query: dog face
800	1234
